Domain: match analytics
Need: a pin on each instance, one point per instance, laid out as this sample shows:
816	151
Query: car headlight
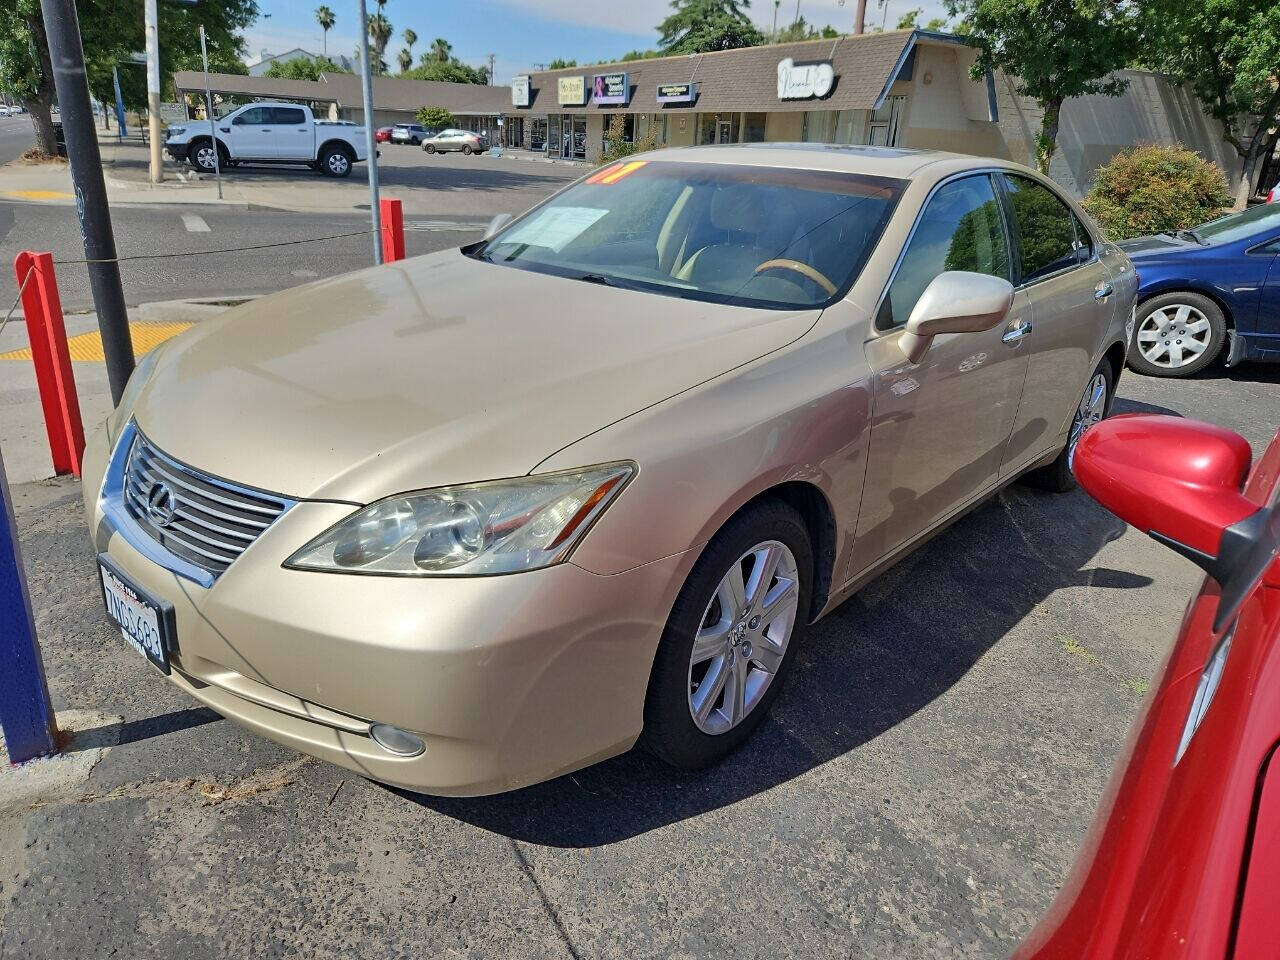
504	526
176	131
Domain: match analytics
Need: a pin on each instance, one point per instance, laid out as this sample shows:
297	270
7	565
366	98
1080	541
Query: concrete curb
89	735
187	311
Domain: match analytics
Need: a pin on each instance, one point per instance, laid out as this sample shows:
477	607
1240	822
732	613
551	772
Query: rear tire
746	644
335	162
1177	334
466	150
1095	404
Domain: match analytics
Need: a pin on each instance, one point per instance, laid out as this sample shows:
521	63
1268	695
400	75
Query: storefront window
706	128
819	126
538	133
753	128
718	128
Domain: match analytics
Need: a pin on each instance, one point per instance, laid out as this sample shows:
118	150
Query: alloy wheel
205	157
338	163
1174	335
1093	407
743	637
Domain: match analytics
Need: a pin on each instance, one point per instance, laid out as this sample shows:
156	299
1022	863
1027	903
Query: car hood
431	371
1158	245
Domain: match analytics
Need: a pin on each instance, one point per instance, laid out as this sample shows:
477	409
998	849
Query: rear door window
1045	228
960	228
288	116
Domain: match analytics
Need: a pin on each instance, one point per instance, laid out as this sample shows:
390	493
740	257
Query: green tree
25	69
560	64
454	71
1152	188
1053	50
441	50
435	118
302	68
616	145
637	55
325	17
799	29
701	26
910	20
1228	52
380	33
937	24
410	38
405	59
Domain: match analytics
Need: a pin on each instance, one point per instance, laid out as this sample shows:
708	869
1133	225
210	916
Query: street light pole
371	144
208	112
66	54
151	18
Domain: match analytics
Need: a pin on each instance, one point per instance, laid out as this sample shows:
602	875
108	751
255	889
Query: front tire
429	148
731	637
334	162
1177	334
202	156
1095	404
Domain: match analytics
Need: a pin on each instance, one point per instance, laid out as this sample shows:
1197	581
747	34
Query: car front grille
203	520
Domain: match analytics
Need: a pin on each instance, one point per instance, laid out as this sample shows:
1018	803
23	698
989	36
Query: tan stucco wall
677	137
784	126
595	136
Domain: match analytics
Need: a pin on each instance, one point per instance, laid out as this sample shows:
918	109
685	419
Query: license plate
146	624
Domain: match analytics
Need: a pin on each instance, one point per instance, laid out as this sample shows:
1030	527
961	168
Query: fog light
394	740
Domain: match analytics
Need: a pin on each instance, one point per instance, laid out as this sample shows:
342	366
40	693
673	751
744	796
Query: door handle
266	129
1014	334
225	129
1103	290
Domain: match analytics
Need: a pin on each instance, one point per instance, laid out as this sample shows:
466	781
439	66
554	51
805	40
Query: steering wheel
803	269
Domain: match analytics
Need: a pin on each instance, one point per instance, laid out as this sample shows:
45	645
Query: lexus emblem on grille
160	504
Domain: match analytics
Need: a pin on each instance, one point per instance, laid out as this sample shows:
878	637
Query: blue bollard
25	713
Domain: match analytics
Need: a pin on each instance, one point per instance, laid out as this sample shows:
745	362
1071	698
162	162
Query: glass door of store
724	131
577	145
553	135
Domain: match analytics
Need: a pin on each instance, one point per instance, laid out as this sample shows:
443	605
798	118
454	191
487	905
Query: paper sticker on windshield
555	227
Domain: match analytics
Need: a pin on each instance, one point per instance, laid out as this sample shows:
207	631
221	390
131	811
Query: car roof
846	158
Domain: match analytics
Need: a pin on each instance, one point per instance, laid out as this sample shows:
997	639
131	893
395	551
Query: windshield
1241	226
728	233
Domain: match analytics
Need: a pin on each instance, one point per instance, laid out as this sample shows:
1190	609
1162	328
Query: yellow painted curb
39	194
87	347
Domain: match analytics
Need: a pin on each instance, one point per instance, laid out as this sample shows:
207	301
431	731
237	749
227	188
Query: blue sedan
1208	292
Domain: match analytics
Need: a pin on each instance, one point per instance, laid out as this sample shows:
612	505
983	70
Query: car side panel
1228	276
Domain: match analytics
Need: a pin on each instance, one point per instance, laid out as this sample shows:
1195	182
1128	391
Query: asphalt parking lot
918	791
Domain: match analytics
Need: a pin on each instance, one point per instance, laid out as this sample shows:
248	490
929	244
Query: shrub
1152	188
615	145
435	118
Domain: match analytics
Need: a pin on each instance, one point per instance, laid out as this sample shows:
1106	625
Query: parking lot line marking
39	194
194	224
443	226
87	347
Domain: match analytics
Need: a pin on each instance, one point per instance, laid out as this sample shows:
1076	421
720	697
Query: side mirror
955	302
496	224
1180	481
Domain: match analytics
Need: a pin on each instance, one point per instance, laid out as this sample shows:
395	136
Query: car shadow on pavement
887	652
131	731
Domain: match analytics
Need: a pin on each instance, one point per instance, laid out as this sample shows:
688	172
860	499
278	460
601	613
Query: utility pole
492	57
860	17
151	18
66	54
774	35
371	144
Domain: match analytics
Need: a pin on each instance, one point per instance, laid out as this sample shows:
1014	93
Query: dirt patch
35	157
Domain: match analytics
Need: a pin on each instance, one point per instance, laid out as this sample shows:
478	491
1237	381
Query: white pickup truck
269	133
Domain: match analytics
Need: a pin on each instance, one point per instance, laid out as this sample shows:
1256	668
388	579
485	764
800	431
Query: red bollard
43	310
392	230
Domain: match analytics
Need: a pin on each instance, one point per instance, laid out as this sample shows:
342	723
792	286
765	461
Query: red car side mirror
1178	480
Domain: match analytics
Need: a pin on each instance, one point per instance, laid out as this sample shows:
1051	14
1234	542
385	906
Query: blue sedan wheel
1177	334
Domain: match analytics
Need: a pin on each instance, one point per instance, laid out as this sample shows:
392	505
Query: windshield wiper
1185	235
599	278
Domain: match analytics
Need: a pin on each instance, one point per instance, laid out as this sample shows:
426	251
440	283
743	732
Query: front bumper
179	151
510	680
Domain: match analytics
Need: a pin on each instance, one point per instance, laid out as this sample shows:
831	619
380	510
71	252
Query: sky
522	34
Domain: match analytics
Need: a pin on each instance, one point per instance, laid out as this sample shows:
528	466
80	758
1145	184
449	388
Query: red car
1183	860
382	135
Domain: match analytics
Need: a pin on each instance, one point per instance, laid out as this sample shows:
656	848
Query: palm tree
406	59
380	33
326	19
441	49
410	38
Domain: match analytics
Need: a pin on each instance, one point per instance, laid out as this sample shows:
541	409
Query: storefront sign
572	91
804	81
677	92
519	91
610	88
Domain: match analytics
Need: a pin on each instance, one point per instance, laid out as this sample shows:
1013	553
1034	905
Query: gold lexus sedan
472	520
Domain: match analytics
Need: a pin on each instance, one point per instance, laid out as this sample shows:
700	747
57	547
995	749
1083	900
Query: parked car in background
462	141
270	133
1183	860
413	133
677	412
4	110
1209	292
382	135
